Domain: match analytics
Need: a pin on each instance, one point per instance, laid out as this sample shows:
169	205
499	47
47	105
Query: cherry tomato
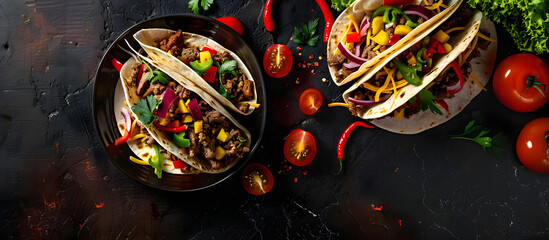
257	179
233	23
278	60
300	147
512	86
310	101
532	145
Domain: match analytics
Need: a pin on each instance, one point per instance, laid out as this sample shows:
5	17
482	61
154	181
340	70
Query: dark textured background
54	175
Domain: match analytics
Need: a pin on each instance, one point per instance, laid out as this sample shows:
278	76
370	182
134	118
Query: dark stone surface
55	177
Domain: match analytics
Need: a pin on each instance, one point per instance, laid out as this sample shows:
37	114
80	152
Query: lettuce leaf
526	20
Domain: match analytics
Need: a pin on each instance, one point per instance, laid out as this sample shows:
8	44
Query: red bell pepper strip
178	164
353	37
328	18
117	64
140	72
206	48
170	129
126	136
344	137
268	16
394	39
457	69
209	75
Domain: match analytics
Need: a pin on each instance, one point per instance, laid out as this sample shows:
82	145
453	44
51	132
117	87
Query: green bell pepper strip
201	67
155	162
409	73
393	18
179	140
419	54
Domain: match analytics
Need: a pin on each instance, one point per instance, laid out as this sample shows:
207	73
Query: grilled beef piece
214	117
247	89
191	54
336	60
221	57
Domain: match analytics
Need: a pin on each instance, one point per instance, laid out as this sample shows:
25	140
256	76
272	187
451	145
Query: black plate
107	78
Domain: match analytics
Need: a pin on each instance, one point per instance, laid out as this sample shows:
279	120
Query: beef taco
205	62
182	119
442	73
367	32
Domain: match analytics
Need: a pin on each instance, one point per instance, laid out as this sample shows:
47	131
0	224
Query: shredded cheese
126	103
252	104
138	136
368	36
485	37
389	79
478	82
454	29
434	6
380	73
338	104
133	127
443	5
376	48
344	38
353	22
473	45
395	91
138	161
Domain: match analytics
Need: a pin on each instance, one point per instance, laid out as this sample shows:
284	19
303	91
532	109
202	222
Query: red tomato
532	145
511	81
310	101
257	179
300	147
397	3
233	23
278	60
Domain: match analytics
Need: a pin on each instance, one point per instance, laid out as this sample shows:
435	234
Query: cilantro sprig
228	66
195	5
156	75
426	98
144	109
477	133
310	35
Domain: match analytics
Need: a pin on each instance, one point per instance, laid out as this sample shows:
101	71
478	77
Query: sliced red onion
351	65
419	11
194	109
128	119
167	100
349	55
454	88
364	25
369	102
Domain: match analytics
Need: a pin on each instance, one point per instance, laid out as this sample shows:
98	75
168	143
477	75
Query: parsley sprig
310	35
195	5
477	133
144	109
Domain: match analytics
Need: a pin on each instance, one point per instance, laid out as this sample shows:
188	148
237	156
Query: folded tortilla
163	138
361	8
149	39
481	66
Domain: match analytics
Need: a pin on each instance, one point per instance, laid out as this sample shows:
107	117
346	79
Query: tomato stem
532	82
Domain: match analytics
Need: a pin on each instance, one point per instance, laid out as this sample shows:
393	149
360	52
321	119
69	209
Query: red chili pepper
344	137
126	136
117	64
268	16
328	18
178	164
457	69
170	129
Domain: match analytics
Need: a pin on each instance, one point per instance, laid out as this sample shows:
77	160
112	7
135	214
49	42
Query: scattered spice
377	208
295	180
299	54
311	56
305	172
319	57
400	222
100	205
299	49
316	64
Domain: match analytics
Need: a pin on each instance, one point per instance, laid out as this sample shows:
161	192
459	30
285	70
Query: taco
367	32
185	121
205	62
442	73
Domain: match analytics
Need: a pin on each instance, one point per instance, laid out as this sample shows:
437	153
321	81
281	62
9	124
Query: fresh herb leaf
228	66
476	133
426	98
341	4
155	162
310	35
195	5
156	75
242	140
144	109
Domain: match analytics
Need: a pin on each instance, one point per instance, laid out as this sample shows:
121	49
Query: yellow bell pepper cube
204	56
412	61
164	121
198	126
223	136
447	47
377	25
183	107
441	36
382	38
219	153
399	114
188	119
402	30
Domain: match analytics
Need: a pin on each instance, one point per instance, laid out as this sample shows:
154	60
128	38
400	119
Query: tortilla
149	38
358	10
482	68
161	137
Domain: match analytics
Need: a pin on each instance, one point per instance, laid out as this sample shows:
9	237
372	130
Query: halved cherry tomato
300	147
397	3
233	23
532	145
515	82
310	101
257	179
278	60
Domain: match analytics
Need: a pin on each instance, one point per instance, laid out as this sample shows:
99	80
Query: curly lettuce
526	20
341	4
